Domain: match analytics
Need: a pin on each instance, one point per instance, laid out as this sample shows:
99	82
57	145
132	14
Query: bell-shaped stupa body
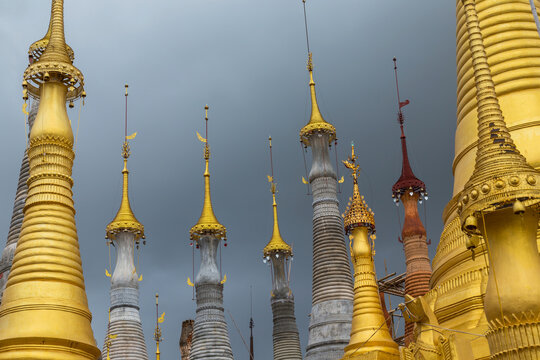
210	335
332	289
500	203
510	42
370	337
18	210
278	254
44	312
125	338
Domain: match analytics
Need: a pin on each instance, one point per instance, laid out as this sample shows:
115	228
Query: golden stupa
483	301
44	312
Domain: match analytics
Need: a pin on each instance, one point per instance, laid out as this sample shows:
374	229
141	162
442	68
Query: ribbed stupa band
210	336
285	333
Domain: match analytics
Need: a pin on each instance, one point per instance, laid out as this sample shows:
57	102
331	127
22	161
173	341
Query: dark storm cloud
246	59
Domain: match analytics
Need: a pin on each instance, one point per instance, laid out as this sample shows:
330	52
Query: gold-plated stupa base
354	353
520	341
37	326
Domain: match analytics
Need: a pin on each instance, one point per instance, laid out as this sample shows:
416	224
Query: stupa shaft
125	331
370	337
18	210
417	260
47	259
210	335
332	289
285	331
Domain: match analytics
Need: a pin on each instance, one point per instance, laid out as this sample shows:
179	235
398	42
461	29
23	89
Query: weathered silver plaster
332	291
210	335
285	333
125	320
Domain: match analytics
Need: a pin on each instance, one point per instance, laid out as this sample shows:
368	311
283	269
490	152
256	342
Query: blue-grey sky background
247	60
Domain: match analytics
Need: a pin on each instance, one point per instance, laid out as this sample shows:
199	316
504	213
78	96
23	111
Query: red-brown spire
410	191
407	181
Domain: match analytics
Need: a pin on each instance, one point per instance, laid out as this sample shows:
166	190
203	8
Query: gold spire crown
316	123
501	175
276	243
208	223
55	61
125	220
37	48
358	214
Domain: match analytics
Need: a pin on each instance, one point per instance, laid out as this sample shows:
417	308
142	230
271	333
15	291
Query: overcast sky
246	59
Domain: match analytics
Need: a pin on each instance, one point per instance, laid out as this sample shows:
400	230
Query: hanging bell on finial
71	104
471	223
472	242
518	208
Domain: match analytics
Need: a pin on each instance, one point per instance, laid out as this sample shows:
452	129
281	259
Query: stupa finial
125	220
316	121
208	223
276	243
358	214
52	60
407	182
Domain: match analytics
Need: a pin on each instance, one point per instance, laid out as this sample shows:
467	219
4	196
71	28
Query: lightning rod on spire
306	26
126	112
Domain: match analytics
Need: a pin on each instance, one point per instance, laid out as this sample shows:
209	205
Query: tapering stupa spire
56	59
278	254
276	243
210	336
125	232
332	288
38	47
407	181
47	259
370	337
411	191
500	203
316	123
208	221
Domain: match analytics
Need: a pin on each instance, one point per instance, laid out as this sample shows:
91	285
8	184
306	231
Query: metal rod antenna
271	158
206	121
126	112
305	23
397	84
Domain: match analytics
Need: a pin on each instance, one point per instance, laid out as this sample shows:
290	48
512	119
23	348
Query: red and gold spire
410	191
407	181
